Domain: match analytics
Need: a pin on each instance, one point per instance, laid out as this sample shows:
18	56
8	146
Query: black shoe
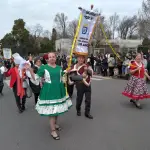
78	113
132	101
55	137
20	111
23	108
2	94
88	116
138	105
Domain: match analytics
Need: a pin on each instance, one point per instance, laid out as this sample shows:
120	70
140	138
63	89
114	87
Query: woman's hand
67	71
24	78
138	68
85	68
84	75
41	84
27	66
64	79
148	77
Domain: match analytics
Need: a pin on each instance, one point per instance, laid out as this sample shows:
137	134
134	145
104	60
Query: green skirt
53	100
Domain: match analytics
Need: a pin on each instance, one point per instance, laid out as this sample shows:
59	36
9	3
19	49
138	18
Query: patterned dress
52	100
136	88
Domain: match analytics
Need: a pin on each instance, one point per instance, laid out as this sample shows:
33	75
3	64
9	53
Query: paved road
117	125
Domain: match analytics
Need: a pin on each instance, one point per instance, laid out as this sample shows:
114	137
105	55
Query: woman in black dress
35	86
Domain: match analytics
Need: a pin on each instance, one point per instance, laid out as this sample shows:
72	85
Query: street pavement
117	125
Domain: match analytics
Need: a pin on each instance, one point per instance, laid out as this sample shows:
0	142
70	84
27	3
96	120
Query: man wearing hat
84	86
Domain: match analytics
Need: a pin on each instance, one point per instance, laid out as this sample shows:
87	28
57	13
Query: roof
125	43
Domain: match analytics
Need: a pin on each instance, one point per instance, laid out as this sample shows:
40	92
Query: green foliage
46	46
8	41
143	49
18	39
146	42
145	46
21	41
54	37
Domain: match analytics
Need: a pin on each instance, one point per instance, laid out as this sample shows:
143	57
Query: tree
54	37
8	41
54	34
113	23
145	46
19	37
20	33
144	19
36	30
98	35
46	45
36	36
127	27
22	41
46	34
61	23
72	28
133	28
108	31
146	42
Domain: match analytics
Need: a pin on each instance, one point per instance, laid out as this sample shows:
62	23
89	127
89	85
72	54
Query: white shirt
2	69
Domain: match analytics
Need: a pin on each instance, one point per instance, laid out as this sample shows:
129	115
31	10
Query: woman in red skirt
136	88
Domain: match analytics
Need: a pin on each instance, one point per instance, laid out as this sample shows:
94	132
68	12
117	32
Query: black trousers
120	70
104	72
36	95
70	89
111	71
92	65
1	86
20	103
81	90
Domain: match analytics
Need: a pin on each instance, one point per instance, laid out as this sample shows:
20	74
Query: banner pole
72	48
74	41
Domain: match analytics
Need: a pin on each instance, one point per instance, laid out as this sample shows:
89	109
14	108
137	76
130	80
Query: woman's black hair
111	55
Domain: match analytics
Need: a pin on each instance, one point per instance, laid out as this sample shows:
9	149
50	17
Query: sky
43	11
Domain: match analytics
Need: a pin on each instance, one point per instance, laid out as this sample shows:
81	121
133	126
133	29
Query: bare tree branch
46	34
72	28
144	19
61	23
113	23
128	27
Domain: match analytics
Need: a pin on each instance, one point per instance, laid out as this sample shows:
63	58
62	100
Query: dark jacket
35	88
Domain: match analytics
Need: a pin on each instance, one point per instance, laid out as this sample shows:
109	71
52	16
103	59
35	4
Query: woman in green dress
52	100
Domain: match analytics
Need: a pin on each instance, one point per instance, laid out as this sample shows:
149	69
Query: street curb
100	77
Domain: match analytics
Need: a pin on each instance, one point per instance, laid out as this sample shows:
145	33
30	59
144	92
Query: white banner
7	53
86	28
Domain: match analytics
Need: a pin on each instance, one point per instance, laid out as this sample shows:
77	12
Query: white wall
127	43
64	45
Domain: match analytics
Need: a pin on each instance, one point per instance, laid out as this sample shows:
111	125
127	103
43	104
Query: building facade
63	46
119	45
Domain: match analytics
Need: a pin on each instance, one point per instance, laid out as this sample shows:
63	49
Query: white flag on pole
88	22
